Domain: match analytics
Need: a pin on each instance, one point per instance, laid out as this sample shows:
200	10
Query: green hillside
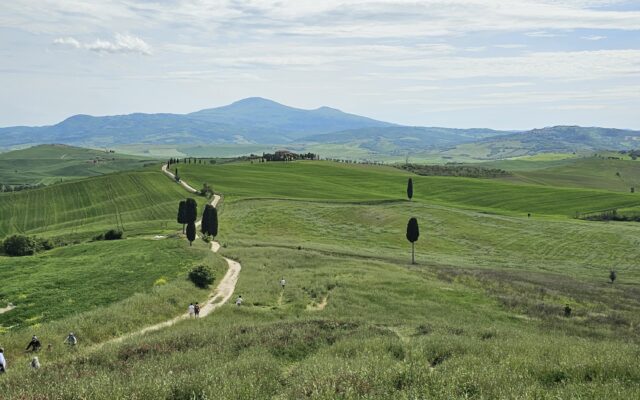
361	183
592	172
47	164
136	202
481	314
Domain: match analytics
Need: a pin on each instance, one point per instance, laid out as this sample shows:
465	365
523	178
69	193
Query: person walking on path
282	283
192	310
34	344
35	363
71	340
239	301
3	362
196	310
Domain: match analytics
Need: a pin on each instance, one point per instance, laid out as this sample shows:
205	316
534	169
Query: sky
503	64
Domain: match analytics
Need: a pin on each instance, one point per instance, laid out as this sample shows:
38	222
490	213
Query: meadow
49	164
481	315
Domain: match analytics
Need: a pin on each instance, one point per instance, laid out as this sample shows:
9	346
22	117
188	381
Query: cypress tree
182	213
410	189
413	233
205	219
210	221
213	222
191	211
191	232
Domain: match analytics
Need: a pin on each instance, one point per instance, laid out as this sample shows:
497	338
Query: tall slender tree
210	220
191	232
191	211
413	233
410	189
182	213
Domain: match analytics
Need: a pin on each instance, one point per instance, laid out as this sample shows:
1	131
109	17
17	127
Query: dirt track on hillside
218	297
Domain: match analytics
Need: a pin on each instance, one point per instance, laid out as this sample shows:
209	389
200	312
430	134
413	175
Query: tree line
468	171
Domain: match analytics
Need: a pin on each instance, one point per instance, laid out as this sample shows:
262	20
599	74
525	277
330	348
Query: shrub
113	234
201	276
19	245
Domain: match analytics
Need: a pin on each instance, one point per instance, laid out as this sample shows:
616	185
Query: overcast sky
507	64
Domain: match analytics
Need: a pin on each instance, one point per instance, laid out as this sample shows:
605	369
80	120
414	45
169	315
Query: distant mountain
252	120
385	139
556	139
265	121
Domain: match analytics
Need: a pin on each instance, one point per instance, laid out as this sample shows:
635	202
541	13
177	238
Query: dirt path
219	296
8	308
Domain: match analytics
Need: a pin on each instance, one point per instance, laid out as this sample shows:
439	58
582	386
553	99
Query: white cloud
69	41
120	44
593	37
542	34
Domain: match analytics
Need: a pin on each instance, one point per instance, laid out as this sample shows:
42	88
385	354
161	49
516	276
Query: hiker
282	283
34	344
196	310
35	363
239	301
71	340
192	310
3	362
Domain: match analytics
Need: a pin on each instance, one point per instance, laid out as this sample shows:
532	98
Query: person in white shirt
239	301
35	363
3	362
282	282
192	310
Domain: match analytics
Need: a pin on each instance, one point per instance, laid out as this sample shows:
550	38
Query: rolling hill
480	316
46	164
556	139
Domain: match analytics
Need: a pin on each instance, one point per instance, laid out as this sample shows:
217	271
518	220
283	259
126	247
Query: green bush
20	245
201	276
111	234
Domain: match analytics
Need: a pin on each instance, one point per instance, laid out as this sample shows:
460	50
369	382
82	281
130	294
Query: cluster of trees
284	155
187	214
467	171
5	187
634	154
21	245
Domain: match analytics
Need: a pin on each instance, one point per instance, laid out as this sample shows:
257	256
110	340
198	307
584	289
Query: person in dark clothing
196	309
34	344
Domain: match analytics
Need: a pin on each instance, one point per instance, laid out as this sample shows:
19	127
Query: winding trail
218	297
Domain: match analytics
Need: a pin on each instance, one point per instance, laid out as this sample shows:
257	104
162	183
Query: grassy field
48	164
78	278
362	183
135	202
592	173
480	316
